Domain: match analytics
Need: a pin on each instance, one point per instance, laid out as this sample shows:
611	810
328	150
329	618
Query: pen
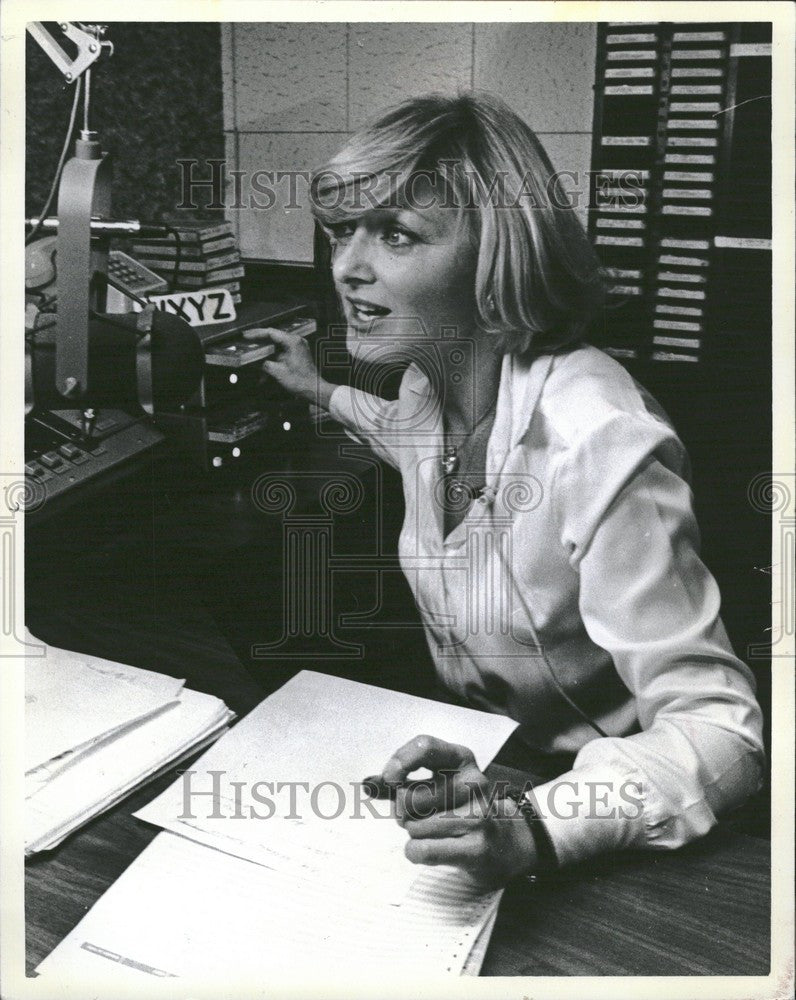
375	787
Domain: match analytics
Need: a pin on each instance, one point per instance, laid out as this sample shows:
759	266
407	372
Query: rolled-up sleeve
368	418
626	519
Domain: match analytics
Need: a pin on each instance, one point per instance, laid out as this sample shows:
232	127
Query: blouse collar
521	381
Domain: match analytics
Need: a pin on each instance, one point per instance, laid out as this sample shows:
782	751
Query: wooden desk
699	911
703	910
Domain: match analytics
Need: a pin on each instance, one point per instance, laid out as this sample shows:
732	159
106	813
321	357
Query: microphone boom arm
89	47
84	193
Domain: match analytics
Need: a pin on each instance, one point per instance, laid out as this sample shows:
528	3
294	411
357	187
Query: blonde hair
537	279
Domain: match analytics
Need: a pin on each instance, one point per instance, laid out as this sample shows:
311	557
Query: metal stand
85	191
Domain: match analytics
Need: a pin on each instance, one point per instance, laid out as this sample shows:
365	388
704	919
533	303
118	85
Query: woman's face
405	276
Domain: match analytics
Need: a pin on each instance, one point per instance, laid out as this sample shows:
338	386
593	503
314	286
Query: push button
69	451
34	469
51	460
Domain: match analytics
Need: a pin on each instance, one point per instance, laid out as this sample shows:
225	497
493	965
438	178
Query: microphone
108	227
177	363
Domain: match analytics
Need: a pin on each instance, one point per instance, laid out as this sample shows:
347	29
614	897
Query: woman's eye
395	236
340	232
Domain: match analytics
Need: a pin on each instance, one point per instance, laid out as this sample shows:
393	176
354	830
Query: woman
549	537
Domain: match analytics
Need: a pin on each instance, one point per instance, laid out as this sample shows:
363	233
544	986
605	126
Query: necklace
449	460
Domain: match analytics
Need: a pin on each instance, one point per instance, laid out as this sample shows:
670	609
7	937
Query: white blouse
575	578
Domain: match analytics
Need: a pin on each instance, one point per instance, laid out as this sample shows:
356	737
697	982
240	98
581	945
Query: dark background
156	100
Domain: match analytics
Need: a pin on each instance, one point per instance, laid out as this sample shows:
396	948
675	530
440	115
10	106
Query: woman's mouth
364	312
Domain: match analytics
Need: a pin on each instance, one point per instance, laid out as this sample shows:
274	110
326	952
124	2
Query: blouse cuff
590	811
341	406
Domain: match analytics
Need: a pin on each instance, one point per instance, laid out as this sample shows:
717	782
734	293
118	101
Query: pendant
449	462
457	492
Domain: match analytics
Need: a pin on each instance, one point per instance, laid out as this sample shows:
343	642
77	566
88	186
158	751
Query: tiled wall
293	92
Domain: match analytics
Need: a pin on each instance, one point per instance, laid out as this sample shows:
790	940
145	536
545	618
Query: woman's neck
471	377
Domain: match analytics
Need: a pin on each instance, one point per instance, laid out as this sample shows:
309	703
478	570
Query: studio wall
294	92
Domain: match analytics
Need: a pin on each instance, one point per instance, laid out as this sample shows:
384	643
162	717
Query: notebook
72	700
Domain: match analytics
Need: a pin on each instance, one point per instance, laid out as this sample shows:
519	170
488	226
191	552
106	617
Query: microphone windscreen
177	363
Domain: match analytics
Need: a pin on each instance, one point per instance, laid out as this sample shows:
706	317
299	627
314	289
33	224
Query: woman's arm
645	596
369	418
363	415
458	817
648	599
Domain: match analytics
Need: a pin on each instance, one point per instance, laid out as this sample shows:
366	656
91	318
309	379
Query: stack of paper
285	866
95	730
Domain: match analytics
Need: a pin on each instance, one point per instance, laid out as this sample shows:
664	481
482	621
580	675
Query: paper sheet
102	776
472	967
72	700
183	910
318	736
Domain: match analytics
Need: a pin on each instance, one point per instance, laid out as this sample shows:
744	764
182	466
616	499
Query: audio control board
62	454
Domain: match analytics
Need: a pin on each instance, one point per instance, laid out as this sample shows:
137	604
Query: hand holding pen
454	817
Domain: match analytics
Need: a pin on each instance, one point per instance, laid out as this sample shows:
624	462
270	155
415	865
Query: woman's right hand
294	369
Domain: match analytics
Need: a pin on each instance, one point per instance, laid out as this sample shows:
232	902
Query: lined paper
183	911
291	890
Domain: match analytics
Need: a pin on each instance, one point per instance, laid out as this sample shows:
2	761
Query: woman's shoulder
599	428
586	389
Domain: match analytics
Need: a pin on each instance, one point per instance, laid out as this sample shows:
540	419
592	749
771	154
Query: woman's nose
352	260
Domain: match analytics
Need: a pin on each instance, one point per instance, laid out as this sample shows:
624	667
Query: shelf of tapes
660	97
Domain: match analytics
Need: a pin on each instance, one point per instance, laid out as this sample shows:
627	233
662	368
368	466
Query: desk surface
703	910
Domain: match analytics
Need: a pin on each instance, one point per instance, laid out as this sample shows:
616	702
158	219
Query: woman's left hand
455	817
